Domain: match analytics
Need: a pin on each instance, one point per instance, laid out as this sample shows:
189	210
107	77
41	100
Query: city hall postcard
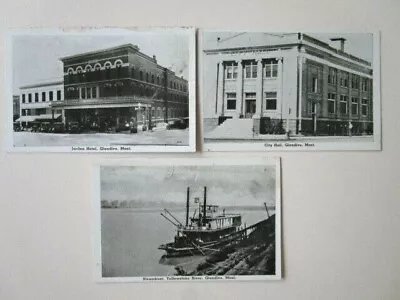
295	91
187	220
101	90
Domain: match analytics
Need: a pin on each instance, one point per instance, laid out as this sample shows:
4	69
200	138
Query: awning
48	116
38	117
26	119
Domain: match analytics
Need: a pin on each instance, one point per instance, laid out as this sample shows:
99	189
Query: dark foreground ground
252	256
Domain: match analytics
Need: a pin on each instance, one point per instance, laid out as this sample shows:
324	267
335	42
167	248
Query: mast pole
187	206
205	205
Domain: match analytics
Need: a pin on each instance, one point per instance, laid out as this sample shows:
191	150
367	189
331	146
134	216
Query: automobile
74	127
17	126
58	127
177	124
45	127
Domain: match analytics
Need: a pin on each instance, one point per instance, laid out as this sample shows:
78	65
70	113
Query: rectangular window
251	70
364	107
58	95
270	100
315	85
271	68
230	101
354	105
88	93
23	98
332	76
354	82
94	92
231	71
30	98
365	84
36	97
343	104
51	95
43	96
83	93
331	103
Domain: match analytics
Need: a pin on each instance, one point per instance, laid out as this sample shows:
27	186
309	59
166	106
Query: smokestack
341	40
155	58
205	205
187	207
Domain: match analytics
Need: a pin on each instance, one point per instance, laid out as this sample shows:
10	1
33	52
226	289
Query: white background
340	210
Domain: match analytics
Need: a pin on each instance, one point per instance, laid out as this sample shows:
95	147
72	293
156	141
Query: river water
130	240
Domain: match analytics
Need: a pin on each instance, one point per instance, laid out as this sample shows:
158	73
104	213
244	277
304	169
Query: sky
358	44
226	185
35	57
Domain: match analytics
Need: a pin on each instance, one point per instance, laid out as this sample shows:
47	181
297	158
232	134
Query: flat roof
129	46
42	84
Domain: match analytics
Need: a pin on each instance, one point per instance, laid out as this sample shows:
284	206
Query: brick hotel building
297	82
121	85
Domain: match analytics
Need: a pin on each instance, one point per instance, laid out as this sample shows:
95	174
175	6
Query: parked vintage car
74	127
177	124
58	127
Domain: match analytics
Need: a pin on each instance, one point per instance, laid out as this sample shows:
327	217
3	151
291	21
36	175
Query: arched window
88	70
97	69
118	66
79	71
70	71
107	67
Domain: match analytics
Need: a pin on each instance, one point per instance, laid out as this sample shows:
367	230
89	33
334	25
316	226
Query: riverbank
252	256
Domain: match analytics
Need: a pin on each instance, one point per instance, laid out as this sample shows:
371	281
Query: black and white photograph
208	221
290	91
106	89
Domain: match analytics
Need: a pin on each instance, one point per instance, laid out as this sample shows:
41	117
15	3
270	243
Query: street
164	137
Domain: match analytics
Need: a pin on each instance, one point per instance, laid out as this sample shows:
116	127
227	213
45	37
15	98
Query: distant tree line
137	204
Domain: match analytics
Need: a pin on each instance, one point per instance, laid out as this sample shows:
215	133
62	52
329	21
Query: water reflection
187	264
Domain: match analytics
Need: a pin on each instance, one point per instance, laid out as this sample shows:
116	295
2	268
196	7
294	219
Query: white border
297	144
209	161
9	147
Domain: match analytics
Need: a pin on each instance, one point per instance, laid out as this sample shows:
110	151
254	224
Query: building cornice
44	84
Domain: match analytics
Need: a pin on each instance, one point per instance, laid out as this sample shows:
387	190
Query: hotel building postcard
101	90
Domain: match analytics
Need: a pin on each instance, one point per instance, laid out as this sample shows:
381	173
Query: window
58	95
152	79
271	68
158	80
251	70
230	101
354	82
88	93
344	79
83	93
332	79
231	70
30	98
36	97
343	104
364	107
354	105
43	96
331	103
147	77
94	92
315	85
141	75
365	84
270	100
51	96
88	69
118	66
23	98
107	67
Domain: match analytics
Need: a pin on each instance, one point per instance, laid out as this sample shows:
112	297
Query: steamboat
207	230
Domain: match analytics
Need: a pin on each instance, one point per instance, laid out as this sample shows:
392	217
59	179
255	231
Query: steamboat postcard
101	90
265	91
188	219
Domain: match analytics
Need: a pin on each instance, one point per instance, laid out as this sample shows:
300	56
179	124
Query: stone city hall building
296	83
117	86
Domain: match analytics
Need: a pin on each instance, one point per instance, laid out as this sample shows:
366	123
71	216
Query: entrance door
250	108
